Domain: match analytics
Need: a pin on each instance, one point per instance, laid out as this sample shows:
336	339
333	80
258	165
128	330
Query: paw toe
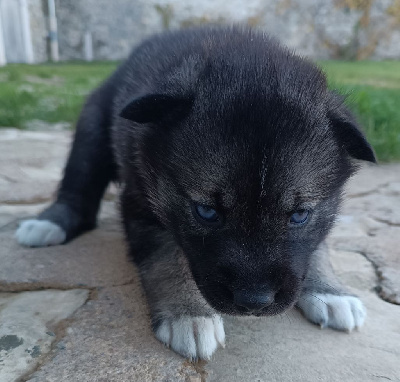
206	341
183	341
219	331
359	312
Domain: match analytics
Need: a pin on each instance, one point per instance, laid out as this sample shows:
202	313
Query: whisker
290	321
317	298
315	306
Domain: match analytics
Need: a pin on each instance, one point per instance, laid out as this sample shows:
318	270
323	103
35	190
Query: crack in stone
384	221
59	332
10	224
199	368
14	222
16	287
361	194
129	282
382	376
37	200
370	192
8	179
380	277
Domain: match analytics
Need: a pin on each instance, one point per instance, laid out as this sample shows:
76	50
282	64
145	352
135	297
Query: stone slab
31	164
10	214
110	339
382	205
95	259
288	348
382	248
371	178
370	224
27	321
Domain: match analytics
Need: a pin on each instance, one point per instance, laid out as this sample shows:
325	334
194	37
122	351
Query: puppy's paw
39	233
193	337
337	312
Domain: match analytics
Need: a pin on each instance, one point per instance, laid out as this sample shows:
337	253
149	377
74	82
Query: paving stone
110	339
382	248
355	270
11	214
371	178
94	259
31	164
370	224
288	348
97	258
354	224
382	206
26	323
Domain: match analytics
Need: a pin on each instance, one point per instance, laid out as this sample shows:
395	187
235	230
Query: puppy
231	154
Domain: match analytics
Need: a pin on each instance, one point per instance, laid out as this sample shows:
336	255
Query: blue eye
205	214
299	217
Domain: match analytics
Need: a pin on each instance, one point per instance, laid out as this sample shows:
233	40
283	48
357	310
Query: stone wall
348	29
115	26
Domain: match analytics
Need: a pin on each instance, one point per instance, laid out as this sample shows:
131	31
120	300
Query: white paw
193	337
337	312
39	233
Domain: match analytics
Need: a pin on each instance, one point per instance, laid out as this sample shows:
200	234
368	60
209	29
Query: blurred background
54	52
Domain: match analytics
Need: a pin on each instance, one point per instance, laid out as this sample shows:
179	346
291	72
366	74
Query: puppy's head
246	171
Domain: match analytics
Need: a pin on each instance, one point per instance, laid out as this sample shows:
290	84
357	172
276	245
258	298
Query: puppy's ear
155	107
347	130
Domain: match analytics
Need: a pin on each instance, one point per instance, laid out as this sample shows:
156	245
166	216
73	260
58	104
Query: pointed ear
155	107
348	132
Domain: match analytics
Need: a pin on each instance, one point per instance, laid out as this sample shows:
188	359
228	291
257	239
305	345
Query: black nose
253	301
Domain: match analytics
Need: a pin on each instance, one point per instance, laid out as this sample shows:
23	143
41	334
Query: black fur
224	117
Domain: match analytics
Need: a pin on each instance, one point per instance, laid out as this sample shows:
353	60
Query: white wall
16	31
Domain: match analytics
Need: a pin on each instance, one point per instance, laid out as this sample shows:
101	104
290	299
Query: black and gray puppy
231	154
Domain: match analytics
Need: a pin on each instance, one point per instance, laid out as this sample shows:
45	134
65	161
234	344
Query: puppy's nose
253	301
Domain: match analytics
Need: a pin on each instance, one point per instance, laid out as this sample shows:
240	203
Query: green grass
48	92
56	92
373	90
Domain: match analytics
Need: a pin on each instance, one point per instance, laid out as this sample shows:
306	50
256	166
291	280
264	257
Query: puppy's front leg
324	300
181	318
